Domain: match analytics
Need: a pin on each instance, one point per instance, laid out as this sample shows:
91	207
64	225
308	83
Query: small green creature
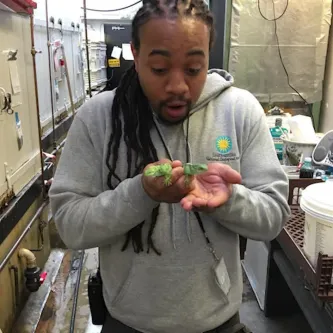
165	170
161	170
192	170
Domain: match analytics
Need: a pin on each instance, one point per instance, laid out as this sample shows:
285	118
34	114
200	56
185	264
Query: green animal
165	170
161	170
192	170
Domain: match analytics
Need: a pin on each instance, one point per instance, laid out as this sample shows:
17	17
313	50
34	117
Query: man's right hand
157	190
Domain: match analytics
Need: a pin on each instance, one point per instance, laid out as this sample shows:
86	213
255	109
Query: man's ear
135	55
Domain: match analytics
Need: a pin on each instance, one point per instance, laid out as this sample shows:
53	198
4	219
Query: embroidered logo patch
224	144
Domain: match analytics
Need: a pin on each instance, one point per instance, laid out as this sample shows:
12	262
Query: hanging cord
112	10
187	141
197	215
275	19
281	58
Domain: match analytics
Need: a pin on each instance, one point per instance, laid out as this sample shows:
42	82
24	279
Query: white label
116	52
317	238
14	77
127	52
222	277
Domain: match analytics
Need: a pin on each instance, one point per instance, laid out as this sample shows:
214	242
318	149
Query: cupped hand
212	188
155	186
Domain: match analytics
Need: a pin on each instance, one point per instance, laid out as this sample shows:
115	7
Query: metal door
117	34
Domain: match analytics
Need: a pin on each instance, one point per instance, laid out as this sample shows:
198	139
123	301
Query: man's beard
164	104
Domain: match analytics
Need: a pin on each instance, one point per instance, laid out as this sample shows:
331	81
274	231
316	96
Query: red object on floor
20	6
43	277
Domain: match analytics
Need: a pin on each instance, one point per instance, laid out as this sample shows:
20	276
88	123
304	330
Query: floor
253	317
56	301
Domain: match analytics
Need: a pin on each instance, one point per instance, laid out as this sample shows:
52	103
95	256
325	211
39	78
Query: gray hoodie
181	291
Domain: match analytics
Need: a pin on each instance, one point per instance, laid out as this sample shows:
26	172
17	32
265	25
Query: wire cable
112	10
281	58
275	18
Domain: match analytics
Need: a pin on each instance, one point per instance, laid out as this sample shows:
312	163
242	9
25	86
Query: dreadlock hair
132	118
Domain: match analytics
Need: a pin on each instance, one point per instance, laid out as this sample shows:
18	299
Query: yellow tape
114	63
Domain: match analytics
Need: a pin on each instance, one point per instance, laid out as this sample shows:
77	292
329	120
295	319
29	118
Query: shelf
291	239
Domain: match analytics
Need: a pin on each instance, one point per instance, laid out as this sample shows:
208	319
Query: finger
184	187
176	164
163	161
177	173
199	202
228	174
186	202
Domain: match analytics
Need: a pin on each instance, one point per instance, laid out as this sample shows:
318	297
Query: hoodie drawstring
172	206
188	160
188	227
173	226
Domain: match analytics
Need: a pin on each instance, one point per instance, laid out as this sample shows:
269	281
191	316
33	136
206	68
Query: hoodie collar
218	80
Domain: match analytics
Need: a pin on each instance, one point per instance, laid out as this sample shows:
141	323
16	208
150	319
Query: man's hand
155	186
212	188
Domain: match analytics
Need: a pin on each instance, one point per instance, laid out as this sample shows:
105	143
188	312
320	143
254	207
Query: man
169	255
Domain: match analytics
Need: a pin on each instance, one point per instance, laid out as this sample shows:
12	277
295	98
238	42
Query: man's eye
159	71
193	71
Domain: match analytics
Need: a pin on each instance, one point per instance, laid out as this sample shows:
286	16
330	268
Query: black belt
233	325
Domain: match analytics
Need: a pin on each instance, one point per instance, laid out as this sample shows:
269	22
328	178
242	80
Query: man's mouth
176	105
176	110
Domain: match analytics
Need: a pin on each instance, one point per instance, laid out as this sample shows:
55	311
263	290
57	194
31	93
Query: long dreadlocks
132	118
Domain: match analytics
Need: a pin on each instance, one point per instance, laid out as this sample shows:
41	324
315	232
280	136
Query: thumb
228	174
163	161
177	173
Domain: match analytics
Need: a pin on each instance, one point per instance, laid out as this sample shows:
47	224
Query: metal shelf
291	239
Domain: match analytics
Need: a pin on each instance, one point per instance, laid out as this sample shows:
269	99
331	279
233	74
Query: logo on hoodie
223	150
223	145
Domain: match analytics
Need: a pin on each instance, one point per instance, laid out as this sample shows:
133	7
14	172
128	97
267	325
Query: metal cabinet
19	137
70	38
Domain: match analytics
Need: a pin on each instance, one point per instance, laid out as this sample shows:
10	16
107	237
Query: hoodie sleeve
258	208
85	215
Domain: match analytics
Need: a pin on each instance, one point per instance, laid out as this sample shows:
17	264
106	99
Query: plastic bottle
276	133
307	169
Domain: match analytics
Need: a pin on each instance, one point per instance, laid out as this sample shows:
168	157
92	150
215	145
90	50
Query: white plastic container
317	203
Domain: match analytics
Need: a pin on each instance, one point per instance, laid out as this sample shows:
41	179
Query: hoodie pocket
170	291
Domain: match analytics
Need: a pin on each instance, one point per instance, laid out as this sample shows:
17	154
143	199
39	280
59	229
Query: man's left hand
212	188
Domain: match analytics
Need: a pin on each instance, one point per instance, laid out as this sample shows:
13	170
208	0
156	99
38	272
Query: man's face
172	65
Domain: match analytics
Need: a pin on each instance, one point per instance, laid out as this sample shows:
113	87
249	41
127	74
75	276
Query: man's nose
176	84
